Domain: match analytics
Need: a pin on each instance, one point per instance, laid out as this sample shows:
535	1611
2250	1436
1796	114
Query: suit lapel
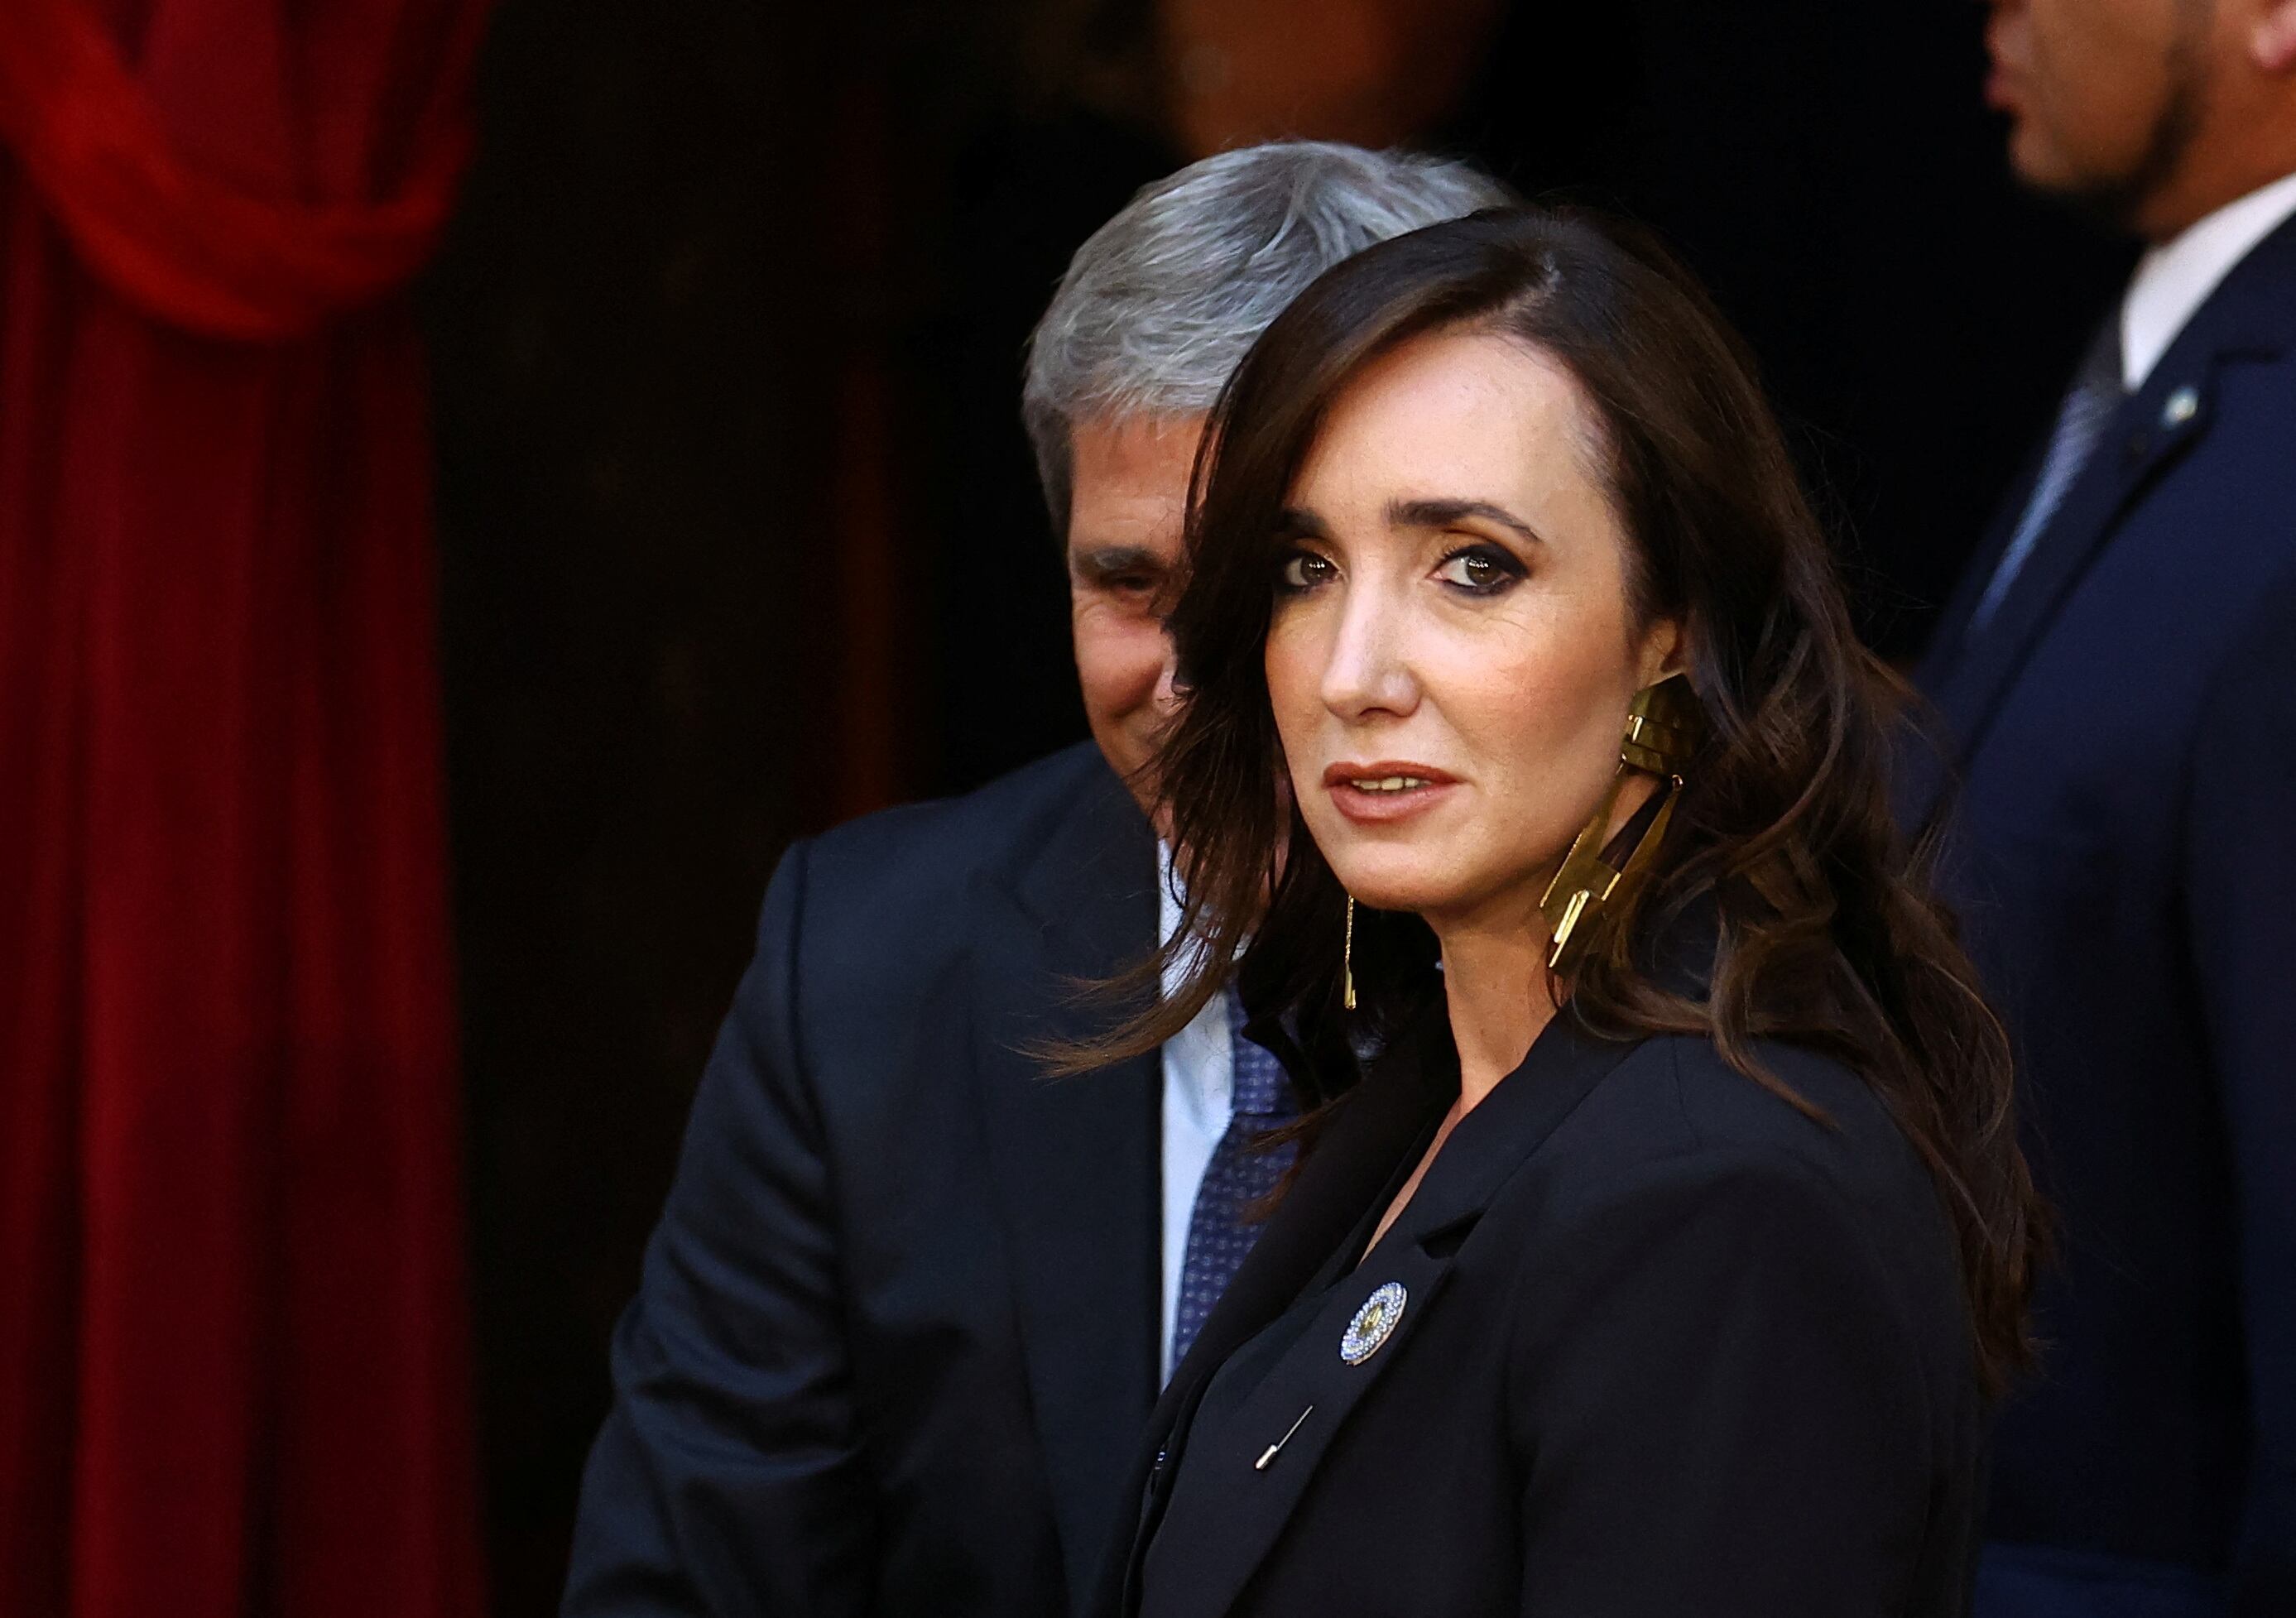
2128	456
1075	1161
1366	1150
1235	1509
1361	1153
2248	314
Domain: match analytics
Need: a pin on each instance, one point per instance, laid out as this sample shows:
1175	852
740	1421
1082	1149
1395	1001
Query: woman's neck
1494	976
1496	988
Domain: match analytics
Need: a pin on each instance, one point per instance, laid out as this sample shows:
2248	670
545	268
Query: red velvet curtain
232	1320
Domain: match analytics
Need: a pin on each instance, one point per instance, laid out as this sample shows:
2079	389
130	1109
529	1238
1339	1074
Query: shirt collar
1170	899
1167	897
2173	279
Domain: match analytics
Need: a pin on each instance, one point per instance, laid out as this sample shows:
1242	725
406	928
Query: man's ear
2272	39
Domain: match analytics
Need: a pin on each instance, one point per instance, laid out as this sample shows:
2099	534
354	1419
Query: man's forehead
1140	451
1130	488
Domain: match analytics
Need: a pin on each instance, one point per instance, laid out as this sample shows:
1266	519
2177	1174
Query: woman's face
1452	651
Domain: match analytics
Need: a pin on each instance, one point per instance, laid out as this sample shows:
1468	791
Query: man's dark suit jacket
1667	1347
2126	856
897	1328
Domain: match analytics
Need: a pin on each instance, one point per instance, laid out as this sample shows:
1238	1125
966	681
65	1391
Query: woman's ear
1666	645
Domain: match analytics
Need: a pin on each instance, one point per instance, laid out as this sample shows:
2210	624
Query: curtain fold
354	163
233	1314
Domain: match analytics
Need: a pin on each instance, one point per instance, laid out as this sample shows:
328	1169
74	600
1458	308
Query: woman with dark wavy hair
1666	1259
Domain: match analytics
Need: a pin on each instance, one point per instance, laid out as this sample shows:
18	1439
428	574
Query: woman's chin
1380	900
1476	899
1395	890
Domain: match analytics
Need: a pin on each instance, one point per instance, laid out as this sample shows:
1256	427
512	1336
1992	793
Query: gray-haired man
909	1303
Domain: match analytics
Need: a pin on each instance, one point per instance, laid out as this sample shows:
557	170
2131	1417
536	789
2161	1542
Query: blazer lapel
1075	1161
1237	1507
2154	429
1363	1150
1246	1479
1368	1147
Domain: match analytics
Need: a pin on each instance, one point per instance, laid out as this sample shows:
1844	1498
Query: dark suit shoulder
892	888
1676	1120
1856	1136
1679	1170
921	849
886	928
1677	1096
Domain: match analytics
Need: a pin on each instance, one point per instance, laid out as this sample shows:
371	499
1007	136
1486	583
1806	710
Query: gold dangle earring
1347	958
1665	725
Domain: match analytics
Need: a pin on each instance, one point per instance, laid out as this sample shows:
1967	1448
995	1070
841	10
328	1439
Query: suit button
2182	406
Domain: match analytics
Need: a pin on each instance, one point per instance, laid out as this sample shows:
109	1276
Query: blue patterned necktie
1237	1178
2096	392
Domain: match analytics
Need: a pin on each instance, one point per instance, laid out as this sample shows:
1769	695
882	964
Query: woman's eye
1482	570
1303	571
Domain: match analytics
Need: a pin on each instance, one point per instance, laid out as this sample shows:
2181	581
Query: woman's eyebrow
1443	513
1299	523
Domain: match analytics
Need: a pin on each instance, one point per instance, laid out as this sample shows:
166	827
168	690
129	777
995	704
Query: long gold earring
1665	725
1347	958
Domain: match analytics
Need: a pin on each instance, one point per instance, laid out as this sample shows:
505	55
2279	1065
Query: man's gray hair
1159	306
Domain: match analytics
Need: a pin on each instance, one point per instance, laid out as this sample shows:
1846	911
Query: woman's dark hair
1825	930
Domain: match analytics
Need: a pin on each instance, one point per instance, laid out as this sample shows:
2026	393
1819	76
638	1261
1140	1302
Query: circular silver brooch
1374	1323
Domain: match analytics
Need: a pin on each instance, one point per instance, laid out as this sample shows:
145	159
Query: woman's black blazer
1667	1347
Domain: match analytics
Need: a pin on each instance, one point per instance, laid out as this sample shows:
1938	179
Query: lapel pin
1267	1455
2182	406
1374	1323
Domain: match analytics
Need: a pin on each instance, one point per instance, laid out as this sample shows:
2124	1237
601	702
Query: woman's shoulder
1679	1120
1679	1167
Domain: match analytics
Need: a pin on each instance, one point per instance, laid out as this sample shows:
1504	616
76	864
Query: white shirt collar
1167	913
2173	279
1202	1046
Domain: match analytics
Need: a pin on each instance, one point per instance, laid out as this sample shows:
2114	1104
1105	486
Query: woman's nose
1368	672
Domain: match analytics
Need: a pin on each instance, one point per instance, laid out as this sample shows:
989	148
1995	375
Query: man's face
2104	95
1128	503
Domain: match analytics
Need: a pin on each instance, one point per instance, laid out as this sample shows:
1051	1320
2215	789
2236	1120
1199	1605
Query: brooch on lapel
1374	1323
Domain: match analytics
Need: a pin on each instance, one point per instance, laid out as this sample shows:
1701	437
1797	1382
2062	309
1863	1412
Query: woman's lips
1386	791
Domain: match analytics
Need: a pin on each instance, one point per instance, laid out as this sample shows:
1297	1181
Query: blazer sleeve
2241	904
1725	1416
725	1480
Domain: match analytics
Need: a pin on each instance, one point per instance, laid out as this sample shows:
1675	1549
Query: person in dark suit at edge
910	1301
2117	682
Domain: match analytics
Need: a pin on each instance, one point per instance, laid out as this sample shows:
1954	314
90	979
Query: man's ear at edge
2272	39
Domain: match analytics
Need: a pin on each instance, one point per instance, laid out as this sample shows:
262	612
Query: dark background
740	534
